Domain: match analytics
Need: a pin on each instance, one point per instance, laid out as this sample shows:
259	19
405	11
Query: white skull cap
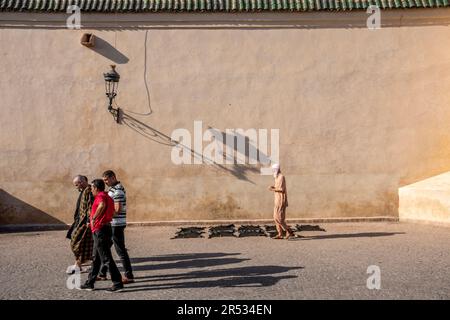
276	166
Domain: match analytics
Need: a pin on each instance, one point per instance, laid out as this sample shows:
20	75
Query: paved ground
414	262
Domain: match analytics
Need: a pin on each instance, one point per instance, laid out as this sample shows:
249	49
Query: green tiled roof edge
107	6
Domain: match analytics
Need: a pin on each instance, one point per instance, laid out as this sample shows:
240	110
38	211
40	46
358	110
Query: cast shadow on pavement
186	264
182	256
253	276
351	235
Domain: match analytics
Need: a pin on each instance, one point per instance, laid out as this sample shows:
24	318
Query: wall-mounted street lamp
111	85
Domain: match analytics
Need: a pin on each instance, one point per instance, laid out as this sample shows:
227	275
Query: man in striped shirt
119	222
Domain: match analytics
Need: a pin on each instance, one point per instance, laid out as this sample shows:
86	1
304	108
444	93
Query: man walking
119	222
80	183
280	203
100	219
80	234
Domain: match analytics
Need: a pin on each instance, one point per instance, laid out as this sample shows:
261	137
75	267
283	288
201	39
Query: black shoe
115	289
87	287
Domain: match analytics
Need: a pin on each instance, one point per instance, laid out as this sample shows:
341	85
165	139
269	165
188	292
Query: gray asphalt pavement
413	261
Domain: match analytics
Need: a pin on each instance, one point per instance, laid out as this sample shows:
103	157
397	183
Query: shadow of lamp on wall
111	84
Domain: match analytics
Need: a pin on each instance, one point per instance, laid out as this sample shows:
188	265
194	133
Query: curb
426	222
260	221
32	227
57	227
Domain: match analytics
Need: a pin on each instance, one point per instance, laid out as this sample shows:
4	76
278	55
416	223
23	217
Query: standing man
119	222
100	220
280	203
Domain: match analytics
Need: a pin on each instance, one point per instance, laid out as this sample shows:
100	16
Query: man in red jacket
101	216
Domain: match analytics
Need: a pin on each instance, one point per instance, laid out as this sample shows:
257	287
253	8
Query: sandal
73	269
277	237
290	235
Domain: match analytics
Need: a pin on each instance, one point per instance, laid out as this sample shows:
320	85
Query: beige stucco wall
426	201
361	113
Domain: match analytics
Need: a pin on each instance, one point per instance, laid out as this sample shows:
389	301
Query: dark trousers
103	256
118	238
